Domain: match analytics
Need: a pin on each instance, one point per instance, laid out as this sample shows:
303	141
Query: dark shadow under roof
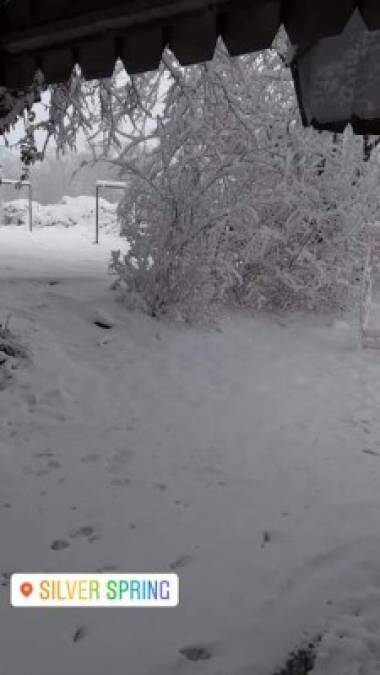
54	35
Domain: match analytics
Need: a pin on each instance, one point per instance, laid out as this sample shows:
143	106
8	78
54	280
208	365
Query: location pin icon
26	589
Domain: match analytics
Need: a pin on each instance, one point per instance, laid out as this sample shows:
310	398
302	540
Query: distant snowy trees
230	200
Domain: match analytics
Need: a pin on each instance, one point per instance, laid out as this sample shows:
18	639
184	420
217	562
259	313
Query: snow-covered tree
230	199
235	201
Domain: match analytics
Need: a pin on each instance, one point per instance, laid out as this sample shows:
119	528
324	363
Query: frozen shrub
229	198
307	249
236	202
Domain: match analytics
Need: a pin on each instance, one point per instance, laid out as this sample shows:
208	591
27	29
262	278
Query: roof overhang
54	35
94	33
338	80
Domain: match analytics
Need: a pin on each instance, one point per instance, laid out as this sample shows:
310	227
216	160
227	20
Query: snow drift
69	212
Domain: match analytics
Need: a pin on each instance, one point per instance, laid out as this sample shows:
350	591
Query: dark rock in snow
101	324
79	634
59	545
300	662
196	653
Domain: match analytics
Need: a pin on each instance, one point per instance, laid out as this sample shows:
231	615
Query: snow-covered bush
14	213
307	249
229	199
179	261
177	209
235	202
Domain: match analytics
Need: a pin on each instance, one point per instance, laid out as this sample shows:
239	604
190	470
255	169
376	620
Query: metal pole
30	209
104	184
97	216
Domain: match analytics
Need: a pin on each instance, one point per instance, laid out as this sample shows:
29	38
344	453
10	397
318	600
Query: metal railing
117	185
22	183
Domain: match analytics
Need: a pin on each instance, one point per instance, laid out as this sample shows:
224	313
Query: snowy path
246	459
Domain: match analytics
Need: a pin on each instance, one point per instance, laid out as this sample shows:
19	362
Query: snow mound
69	212
351	646
345	334
339	335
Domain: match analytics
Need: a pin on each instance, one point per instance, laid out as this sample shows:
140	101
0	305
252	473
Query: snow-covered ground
246	458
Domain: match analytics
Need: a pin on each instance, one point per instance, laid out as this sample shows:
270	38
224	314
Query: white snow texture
247	459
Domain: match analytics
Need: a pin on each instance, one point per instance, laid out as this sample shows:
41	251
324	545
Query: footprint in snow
118	460
31	401
209	470
103	324
53	464
373	453
29	471
182	561
103	321
41	472
54	397
184	505
108	568
86	532
5	579
266	537
121	482
162	487
90	459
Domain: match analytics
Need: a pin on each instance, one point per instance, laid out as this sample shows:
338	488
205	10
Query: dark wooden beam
42	29
53	35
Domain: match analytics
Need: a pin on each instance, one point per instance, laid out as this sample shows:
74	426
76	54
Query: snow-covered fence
117	185
23	183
